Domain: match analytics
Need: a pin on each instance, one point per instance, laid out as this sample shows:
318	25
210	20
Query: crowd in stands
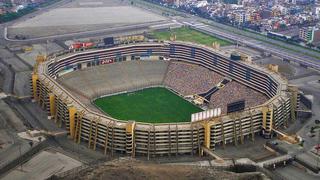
190	79
234	91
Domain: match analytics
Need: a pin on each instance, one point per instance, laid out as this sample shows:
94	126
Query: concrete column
264	117
207	134
52	105
34	77
130	127
72	114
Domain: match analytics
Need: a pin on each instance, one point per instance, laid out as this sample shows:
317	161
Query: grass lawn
152	105
190	35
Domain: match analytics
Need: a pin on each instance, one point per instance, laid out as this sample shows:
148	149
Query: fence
13	74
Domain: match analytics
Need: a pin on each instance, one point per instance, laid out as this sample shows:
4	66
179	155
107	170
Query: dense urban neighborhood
13	9
295	21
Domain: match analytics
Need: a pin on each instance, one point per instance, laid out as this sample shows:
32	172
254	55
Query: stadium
140	98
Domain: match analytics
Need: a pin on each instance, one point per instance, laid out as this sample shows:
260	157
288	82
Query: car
310	134
317	121
274	143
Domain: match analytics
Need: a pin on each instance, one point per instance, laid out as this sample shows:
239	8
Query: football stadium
161	98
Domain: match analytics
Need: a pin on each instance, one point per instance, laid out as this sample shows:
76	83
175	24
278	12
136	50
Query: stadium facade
134	138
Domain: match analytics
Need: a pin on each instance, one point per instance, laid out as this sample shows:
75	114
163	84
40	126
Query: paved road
311	141
292	172
282	49
8	82
263	46
256	36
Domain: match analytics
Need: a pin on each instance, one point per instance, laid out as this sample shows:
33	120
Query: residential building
310	34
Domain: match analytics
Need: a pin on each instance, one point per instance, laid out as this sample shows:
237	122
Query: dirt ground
1	80
249	149
132	169
84	15
43	165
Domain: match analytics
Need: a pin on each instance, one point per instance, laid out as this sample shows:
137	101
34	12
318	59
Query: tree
31	143
230	1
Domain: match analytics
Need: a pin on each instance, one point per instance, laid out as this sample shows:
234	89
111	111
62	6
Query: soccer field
152	105
189	35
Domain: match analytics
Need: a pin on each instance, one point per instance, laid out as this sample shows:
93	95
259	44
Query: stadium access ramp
207	95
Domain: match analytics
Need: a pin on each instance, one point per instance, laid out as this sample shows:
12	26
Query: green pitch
152	105
190	35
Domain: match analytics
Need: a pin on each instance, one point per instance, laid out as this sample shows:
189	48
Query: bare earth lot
132	169
90	15
80	19
43	165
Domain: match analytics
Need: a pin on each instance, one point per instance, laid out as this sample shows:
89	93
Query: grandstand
207	95
65	85
188	79
233	92
115	77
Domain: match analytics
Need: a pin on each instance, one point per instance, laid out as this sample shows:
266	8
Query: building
240	17
134	138
317	11
309	34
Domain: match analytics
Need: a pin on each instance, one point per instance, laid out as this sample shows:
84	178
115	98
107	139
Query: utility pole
20	157
318	147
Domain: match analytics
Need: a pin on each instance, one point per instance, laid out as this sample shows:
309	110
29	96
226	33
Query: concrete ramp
272	162
212	154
